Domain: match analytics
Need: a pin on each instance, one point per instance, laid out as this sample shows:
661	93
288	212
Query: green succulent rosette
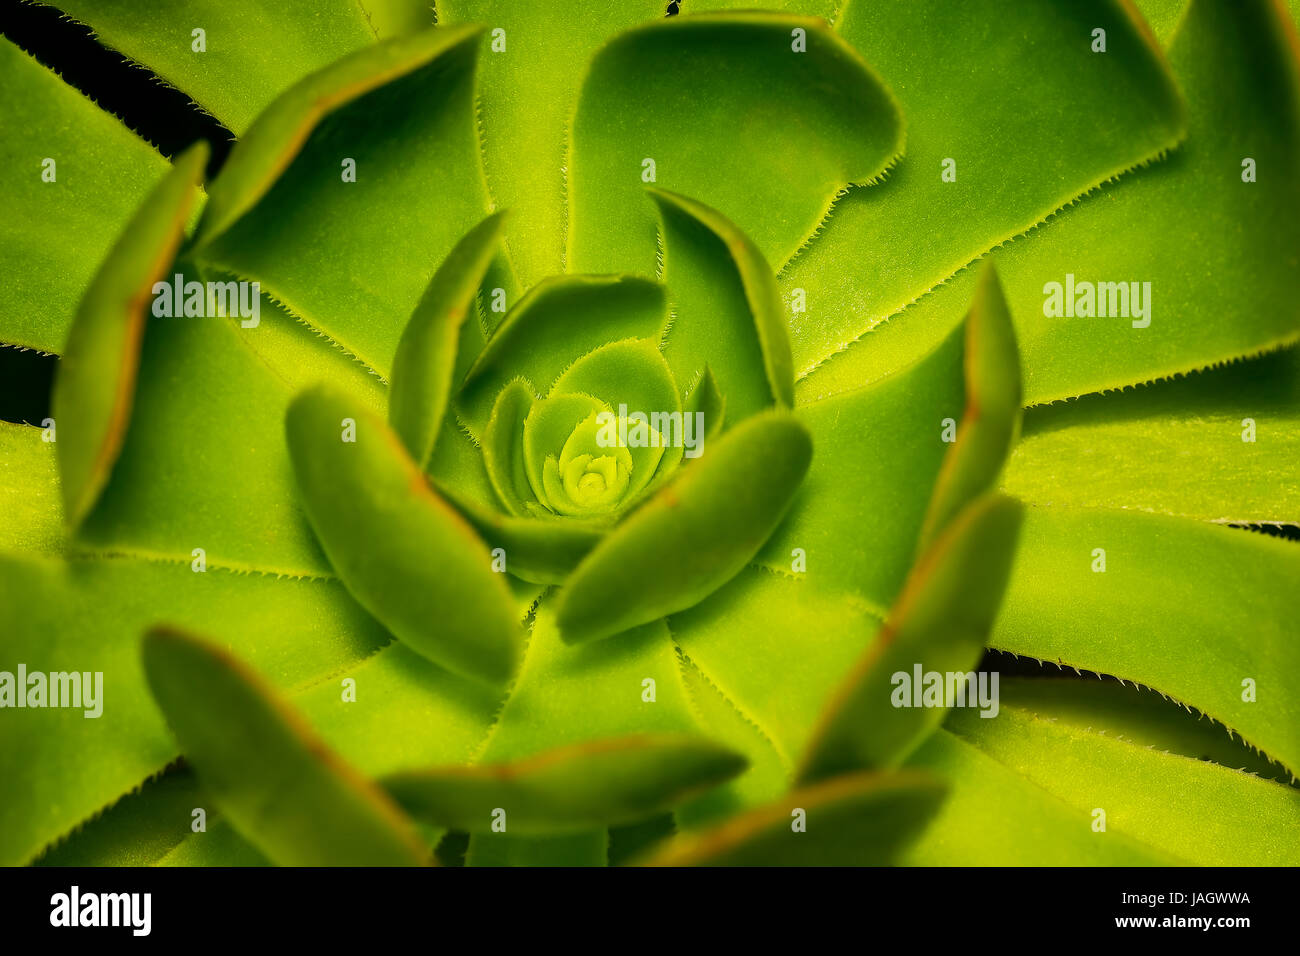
628	402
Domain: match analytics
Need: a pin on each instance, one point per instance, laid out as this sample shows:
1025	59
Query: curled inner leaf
694	535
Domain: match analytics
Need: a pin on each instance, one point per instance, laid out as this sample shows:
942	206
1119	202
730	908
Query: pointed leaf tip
280	786
991	420
399	548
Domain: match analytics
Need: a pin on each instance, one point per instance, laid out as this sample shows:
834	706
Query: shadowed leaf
1213	608
232	77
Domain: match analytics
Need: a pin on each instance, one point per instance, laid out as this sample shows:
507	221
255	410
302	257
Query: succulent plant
570	434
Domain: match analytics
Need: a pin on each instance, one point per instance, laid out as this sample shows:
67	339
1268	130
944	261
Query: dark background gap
150	108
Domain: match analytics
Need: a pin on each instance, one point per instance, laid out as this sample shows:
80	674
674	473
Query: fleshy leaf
1220	445
707	399
202	396
768	774
402	551
29	497
427	351
503	447
555	702
694	535
599	783
95	386
633	373
234	76
1015	152
546	430
879	449
1237	66
990	421
854	820
738	638
1215	609
294	630
314	179
995	817
940	623
525	100
725	138
139	829
270	774
1189	808
54	234
727	310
